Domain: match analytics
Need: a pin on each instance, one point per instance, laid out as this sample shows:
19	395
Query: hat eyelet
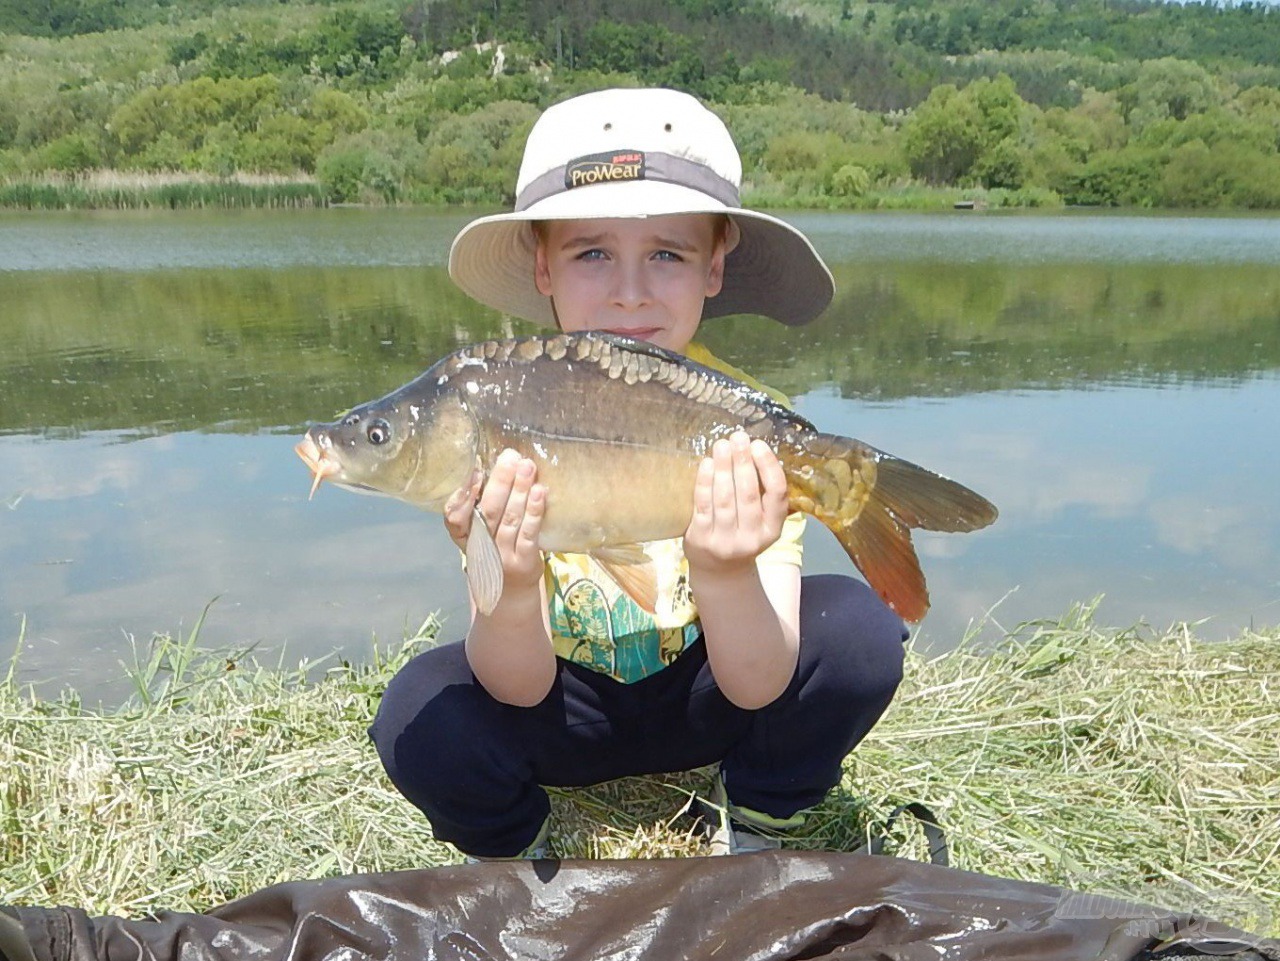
667	128
608	126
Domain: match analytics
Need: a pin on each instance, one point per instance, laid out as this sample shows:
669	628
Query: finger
457	509
746	479
497	490
453	500
703	490
517	501
773	479
723	495
534	511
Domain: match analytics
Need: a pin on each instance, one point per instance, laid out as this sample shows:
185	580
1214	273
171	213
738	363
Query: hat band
661	167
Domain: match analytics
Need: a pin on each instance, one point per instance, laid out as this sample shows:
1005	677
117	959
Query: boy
627	220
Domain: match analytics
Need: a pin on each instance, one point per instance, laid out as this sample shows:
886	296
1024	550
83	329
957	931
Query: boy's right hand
513	505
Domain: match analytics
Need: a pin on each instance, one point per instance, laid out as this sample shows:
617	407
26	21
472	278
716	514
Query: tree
473	157
971	133
1228	174
1127	177
942	139
1168	88
1001	108
1003	164
73	153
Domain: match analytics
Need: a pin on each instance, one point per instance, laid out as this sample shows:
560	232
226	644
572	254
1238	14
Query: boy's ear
715	270
541	269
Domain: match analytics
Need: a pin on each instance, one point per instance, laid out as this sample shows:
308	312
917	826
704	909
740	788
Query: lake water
1112	383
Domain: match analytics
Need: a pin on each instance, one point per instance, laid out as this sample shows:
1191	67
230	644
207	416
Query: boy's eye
595	253
668	255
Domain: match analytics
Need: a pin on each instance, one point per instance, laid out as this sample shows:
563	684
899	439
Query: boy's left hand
739	505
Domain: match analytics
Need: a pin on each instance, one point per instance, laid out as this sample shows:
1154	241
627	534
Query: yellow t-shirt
597	624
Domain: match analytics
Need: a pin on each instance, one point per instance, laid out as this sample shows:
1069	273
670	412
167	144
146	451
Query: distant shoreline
134	190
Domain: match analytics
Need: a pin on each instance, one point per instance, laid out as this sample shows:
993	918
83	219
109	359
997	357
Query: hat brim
774	269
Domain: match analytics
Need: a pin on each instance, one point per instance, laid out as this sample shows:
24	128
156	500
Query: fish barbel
617	429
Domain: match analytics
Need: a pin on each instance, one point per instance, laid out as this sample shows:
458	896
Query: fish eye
378	432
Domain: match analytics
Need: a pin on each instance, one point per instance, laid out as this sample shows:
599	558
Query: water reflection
114	539
1120	408
1160	499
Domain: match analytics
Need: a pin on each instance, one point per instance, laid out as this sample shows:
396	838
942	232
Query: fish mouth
322	465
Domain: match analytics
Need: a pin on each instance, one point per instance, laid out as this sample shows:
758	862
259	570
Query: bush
283	143
8	124
189	111
335	113
942	139
70	154
1003	165
850	181
1117	178
1237	175
473	158
420	105
1261	189
340	173
796	150
165	152
371	166
10	163
1034	197
762	114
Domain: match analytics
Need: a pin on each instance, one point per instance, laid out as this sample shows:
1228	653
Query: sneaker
538	850
733	829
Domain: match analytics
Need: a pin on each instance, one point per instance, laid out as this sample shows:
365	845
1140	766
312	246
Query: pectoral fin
633	571
484	565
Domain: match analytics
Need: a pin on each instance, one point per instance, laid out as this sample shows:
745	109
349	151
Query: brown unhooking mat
764	907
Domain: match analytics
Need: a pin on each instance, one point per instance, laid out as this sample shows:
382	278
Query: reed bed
1137	763
122	190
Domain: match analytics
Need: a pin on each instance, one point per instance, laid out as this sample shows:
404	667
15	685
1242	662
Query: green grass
1127	762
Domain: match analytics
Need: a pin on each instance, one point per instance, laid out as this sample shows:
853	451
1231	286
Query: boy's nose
631	286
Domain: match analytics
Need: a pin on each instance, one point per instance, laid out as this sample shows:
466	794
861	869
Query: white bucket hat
638	153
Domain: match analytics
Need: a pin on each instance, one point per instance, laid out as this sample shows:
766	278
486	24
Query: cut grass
1135	762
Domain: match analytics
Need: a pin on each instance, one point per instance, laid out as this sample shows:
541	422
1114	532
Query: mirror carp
617	428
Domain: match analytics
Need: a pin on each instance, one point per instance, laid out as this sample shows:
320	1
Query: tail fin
870	500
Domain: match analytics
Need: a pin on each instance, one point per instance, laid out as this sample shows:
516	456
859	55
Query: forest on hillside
833	102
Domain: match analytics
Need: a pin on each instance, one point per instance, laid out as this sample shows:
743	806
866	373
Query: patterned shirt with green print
595	623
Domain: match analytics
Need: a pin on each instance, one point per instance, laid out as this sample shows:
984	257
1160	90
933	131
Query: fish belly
605	495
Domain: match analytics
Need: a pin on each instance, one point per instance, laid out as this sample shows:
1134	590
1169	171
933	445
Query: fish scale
637	363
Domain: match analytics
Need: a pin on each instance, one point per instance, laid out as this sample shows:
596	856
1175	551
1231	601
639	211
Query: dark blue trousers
475	766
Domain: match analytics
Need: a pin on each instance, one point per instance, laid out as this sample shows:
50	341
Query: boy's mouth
636	333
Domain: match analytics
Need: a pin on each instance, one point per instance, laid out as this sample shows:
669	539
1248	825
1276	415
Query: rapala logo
604	168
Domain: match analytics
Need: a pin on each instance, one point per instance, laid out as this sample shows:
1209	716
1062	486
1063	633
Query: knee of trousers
851	642
432	722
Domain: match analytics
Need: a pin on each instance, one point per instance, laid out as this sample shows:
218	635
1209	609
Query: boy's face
641	278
